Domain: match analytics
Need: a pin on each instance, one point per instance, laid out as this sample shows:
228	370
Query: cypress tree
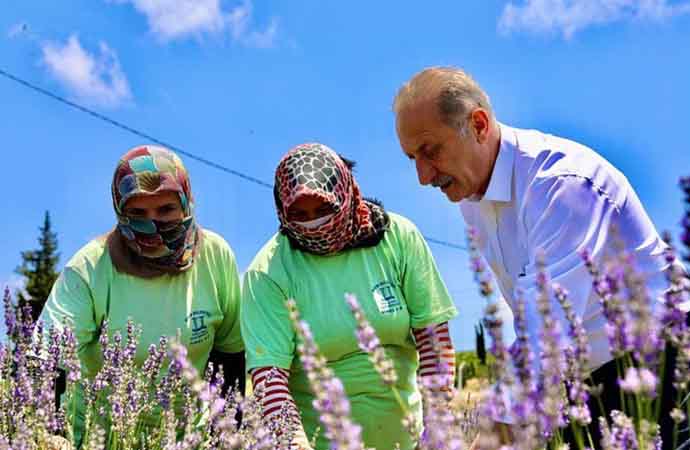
39	269
480	343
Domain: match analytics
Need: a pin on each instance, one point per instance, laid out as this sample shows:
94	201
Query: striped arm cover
439	360
276	391
275	396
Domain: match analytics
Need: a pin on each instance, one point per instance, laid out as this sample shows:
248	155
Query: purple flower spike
330	399
369	343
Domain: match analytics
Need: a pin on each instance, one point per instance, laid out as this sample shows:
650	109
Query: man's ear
479	123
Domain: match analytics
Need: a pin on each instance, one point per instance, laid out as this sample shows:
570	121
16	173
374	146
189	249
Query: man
527	194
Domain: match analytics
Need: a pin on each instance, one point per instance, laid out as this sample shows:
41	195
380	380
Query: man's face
443	157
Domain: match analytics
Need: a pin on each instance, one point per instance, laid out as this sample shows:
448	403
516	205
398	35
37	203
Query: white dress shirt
551	194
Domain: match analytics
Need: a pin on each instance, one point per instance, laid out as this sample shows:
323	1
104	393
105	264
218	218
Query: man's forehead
416	125
418	114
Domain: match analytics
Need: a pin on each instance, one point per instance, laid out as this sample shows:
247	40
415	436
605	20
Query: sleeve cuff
440	317
269	361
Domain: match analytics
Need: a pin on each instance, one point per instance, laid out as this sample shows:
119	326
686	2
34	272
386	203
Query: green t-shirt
399	288
202	302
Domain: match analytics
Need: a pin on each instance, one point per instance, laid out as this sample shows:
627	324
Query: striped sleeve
276	398
436	352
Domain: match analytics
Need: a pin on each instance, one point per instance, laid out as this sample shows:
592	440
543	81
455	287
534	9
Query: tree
39	269
479	343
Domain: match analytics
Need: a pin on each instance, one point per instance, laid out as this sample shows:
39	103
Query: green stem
399	399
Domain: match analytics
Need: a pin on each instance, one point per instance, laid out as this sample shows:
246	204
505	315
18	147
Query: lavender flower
579	362
494	407
647	336
370	344
330	399
10	316
551	380
685	223
523	408
608	286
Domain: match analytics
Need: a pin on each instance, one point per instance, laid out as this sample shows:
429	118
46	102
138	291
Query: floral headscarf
316	170
165	247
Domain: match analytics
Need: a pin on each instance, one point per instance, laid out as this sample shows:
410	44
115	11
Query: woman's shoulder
91	254
214	248
90	259
400	222
212	240
400	225
271	254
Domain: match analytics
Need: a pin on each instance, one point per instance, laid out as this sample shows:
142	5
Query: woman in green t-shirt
331	242
157	267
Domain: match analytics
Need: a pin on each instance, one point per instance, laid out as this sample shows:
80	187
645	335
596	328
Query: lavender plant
162	405
445	427
640	337
165	404
330	399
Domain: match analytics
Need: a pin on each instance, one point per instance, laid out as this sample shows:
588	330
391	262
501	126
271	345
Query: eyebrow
421	148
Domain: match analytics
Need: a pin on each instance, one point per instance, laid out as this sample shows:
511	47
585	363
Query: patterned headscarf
168	247
316	170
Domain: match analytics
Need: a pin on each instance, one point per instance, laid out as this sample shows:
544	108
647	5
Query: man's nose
425	171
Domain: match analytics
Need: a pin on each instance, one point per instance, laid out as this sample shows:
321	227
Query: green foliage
480	345
469	366
39	269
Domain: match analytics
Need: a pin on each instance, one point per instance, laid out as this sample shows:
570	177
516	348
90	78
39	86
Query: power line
134	131
150	138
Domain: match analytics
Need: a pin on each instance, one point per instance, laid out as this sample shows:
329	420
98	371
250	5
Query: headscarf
144	247
316	170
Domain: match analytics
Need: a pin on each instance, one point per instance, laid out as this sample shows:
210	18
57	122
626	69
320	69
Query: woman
331	241
157	267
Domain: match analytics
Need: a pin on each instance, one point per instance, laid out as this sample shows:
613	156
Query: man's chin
453	196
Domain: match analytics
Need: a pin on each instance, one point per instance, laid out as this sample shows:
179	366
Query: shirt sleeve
425	293
268	333
70	304
228	335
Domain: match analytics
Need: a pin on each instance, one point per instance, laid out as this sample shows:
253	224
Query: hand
505	432
475	443
56	442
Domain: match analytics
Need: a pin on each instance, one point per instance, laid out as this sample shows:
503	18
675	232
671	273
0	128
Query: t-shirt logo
197	321
384	296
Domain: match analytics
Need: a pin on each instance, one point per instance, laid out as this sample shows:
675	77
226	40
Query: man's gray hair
456	95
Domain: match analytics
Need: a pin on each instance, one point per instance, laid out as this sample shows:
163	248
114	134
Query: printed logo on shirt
197	321
384	296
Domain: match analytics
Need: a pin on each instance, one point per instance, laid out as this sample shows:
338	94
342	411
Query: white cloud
96	78
179	19
568	17
263	39
17	29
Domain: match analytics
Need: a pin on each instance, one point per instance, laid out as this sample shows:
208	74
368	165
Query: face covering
151	170
315	170
316	223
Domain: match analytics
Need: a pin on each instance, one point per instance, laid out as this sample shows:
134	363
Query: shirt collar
501	182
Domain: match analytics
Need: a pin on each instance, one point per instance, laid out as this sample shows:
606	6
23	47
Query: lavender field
189	412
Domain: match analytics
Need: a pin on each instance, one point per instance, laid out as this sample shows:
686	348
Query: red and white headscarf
316	170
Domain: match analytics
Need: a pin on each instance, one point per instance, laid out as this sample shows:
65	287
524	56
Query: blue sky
240	83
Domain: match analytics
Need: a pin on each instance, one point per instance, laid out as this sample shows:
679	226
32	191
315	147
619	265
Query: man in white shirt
526	193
